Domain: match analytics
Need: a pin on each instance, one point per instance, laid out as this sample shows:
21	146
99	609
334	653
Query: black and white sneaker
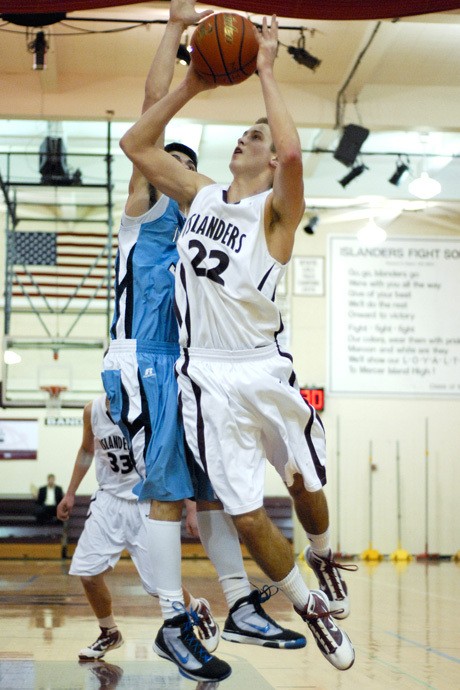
333	643
248	623
177	642
205	625
106	641
330	581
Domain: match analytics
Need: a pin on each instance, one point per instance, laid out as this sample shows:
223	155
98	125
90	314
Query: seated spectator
48	498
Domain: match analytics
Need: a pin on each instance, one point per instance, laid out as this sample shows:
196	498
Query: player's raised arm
81	466
139	143
182	14
287	201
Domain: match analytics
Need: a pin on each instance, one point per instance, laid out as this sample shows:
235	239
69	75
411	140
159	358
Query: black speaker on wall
353	138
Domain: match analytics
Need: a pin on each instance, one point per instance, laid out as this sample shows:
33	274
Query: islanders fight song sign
394	321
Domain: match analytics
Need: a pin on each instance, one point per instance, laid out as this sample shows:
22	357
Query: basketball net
53	402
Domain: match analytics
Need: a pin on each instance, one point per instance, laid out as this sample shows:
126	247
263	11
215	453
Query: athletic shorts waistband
231	355
133	345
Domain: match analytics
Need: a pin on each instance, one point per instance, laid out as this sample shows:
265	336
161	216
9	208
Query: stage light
310	227
355	172
349	146
38	47
401	169
183	54
424	187
302	56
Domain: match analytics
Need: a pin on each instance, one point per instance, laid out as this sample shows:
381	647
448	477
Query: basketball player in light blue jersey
140	383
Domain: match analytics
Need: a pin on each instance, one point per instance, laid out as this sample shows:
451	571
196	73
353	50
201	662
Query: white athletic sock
320	543
107	622
222	545
164	545
294	587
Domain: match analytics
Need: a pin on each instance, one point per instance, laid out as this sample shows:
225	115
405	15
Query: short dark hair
182	148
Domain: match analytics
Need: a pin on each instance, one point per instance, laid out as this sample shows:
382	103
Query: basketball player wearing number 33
238	391
115	521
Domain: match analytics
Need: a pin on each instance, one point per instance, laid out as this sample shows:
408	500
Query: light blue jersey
138	371
144	274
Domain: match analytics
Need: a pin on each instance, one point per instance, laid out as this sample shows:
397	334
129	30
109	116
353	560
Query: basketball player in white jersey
140	383
115	521
241	403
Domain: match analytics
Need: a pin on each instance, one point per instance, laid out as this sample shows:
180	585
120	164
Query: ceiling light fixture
302	56
11	357
310	227
38	46
424	187
354	172
349	146
401	169
371	234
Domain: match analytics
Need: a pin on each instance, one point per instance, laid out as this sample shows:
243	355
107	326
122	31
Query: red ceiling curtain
301	9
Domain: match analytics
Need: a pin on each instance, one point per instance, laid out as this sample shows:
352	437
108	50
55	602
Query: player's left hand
184	11
191	522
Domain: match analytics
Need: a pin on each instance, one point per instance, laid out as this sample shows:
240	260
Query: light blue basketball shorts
140	384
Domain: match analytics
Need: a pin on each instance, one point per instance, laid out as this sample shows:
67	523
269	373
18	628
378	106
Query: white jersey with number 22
226	278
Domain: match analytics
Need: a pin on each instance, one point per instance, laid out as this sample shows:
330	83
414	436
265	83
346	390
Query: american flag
67	265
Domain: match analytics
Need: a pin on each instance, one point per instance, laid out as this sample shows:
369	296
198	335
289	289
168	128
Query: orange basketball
224	49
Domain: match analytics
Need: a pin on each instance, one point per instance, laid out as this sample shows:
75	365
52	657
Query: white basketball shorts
113	524
240	408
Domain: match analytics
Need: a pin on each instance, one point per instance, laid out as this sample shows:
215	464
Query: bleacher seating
18	524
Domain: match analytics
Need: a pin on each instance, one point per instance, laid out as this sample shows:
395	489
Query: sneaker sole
99	656
158	650
274	644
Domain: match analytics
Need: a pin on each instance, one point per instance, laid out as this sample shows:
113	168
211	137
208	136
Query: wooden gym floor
404	625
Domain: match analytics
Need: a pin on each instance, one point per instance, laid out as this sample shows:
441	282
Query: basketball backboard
34	365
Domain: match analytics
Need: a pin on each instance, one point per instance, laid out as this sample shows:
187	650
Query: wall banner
393	316
18	439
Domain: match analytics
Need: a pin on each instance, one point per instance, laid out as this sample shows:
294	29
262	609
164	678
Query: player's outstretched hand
268	44
184	11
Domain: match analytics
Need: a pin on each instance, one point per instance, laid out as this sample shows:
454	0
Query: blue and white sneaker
177	642
248	623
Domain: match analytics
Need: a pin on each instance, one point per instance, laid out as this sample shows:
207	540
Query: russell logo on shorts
148	373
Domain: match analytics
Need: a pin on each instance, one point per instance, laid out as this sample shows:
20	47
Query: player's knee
297	489
169	511
90	581
250	523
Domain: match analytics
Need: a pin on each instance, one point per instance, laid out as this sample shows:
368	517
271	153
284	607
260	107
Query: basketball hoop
53	403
